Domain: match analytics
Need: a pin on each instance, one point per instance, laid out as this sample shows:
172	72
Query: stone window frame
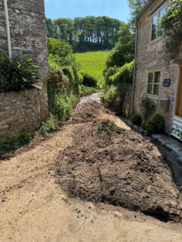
156	12
153	71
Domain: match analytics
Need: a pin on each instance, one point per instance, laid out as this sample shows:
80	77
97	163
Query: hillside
93	63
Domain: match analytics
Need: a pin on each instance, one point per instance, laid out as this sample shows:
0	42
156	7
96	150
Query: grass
93	63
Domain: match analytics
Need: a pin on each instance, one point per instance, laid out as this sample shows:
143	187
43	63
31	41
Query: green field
93	63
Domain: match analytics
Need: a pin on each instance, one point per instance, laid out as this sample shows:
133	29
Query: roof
144	9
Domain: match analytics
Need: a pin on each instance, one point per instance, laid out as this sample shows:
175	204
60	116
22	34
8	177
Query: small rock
117	214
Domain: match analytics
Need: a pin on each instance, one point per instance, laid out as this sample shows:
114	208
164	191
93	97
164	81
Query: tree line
85	33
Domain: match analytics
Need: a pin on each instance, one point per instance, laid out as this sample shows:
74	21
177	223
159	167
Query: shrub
110	72
61	53
155	124
144	124
16	73
114	96
136	119
67	71
89	80
64	106
83	90
57	84
147	107
24	138
51	125
78	78
124	74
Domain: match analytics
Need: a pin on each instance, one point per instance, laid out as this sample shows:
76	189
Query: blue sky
80	8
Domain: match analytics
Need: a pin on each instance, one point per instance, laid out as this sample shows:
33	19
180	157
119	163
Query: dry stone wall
26	109
151	56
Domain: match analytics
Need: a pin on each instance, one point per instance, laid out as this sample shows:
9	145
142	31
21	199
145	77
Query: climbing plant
16	73
171	25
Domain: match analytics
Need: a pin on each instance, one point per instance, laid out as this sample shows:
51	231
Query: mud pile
117	166
87	112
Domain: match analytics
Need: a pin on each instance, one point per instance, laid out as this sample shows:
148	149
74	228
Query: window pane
160	30
150	78
154	27
157	77
156	89
162	11
149	89
155	19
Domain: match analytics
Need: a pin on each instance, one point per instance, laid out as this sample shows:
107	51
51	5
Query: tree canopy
85	33
123	52
135	7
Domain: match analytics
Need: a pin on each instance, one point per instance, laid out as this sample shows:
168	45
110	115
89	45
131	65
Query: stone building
156	78
24	110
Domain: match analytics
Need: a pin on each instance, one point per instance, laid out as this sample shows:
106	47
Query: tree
61	53
135	7
65	29
85	33
123	52
51	28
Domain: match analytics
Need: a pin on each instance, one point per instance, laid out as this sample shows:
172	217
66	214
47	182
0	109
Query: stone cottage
24	110
154	77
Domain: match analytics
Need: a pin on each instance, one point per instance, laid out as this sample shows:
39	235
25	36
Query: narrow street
93	180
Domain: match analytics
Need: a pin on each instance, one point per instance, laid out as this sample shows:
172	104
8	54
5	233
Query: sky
117	9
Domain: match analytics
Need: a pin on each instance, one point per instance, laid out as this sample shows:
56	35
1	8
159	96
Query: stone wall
151	56
29	108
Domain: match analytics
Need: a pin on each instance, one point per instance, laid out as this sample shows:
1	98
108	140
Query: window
156	30
153	83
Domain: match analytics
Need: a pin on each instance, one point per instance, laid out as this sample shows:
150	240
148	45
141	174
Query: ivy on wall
171	25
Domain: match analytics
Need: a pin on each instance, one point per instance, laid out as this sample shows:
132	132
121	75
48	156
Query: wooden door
178	110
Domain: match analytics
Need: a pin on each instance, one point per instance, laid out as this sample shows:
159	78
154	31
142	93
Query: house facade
156	77
24	110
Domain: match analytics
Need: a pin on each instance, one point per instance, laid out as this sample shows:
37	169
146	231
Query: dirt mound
87	113
117	166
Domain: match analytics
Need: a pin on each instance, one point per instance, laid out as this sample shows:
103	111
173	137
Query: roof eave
144	9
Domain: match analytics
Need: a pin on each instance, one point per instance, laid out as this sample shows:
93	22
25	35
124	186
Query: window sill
153	97
156	40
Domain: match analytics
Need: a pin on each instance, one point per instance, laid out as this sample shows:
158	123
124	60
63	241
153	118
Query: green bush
68	71
124	74
64	106
78	78
144	124
155	124
110	72
136	119
114	96
118	86
16	73
89	80
51	125
147	107
61	53
24	138
57	84
83	90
